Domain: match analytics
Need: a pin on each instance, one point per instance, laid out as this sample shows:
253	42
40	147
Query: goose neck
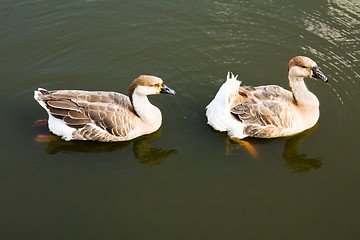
144	109
301	94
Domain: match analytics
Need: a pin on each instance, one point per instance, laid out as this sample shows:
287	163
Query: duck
101	115
267	111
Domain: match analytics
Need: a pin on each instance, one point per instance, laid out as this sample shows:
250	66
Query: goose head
303	67
148	85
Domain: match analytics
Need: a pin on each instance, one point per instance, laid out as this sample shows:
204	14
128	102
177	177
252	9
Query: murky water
186	181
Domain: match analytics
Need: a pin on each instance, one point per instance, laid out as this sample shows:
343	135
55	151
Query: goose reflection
142	148
299	163
295	161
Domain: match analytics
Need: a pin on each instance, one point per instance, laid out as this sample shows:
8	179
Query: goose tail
218	109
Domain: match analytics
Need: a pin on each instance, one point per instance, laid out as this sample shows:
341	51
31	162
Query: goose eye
304	67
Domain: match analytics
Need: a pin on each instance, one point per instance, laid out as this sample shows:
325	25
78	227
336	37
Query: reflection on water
142	148
299	163
150	155
295	161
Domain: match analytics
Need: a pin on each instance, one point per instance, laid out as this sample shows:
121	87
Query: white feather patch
59	127
218	110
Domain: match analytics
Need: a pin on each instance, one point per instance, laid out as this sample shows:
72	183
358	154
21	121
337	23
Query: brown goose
104	116
267	111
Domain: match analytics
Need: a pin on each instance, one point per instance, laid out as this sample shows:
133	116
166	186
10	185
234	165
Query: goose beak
316	73
166	89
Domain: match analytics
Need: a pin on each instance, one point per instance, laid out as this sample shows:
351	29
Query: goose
267	111
104	116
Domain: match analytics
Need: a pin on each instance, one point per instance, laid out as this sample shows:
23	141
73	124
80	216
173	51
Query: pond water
185	181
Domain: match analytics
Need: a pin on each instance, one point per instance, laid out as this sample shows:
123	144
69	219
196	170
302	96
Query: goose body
104	116
267	111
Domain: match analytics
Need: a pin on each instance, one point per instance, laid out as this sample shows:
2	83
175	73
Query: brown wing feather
109	110
263	109
63	104
112	112
67	110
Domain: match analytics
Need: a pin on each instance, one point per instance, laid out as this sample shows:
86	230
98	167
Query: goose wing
110	111
265	111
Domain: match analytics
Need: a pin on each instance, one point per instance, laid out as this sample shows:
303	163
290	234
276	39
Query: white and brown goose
267	111
104	116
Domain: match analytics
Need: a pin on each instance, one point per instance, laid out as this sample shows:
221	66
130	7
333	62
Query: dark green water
185	181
